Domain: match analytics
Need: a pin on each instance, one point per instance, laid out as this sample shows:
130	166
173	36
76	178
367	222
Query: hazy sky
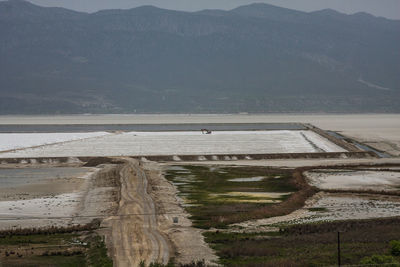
385	8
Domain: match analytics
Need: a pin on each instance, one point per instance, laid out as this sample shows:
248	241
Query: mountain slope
256	58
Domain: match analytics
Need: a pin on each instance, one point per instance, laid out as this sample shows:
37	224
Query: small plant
172	264
395	247
318	209
97	253
46	253
195	264
378	260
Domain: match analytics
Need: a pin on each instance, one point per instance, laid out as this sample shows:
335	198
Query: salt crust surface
10	141
185	143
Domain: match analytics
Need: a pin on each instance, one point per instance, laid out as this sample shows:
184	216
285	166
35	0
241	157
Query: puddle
20	177
258	194
251	197
331	207
250	179
185	179
179	183
177	168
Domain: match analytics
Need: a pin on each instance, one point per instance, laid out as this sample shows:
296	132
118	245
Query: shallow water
20	177
68	128
250	179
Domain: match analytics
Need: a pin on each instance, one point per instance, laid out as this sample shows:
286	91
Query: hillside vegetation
255	58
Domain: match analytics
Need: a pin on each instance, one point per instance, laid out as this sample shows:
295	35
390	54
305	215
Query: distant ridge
254	58
262	10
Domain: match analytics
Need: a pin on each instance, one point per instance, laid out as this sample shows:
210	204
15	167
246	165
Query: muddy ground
352	179
145	220
187	241
62	199
150	225
137	204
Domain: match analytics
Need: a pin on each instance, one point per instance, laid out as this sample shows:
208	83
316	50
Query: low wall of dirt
94	161
229	157
348	146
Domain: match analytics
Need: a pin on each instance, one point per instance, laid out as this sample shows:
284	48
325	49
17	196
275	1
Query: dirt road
188	242
134	231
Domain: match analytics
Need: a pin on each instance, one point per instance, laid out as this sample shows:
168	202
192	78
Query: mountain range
255	58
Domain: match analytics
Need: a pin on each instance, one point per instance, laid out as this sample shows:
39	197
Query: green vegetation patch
380	260
59	249
39	239
97	252
318	209
316	248
214	200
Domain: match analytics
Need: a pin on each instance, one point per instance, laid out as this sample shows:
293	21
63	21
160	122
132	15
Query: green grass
317	248
47	261
205	189
318	209
227	237
54	250
97	254
53	239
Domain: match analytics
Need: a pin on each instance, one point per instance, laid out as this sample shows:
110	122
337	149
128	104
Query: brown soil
134	235
187	241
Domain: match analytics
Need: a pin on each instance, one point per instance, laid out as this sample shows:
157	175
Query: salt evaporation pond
249	179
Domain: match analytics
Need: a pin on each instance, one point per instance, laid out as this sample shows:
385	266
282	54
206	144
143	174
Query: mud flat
30	196
360	180
329	207
30	183
13	141
325	207
42	197
39	212
136	204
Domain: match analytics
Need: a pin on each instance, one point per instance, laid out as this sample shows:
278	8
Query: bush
171	264
395	247
194	264
378	260
155	264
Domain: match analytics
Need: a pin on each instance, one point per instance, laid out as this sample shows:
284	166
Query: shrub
395	247
171	264
378	260
194	264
